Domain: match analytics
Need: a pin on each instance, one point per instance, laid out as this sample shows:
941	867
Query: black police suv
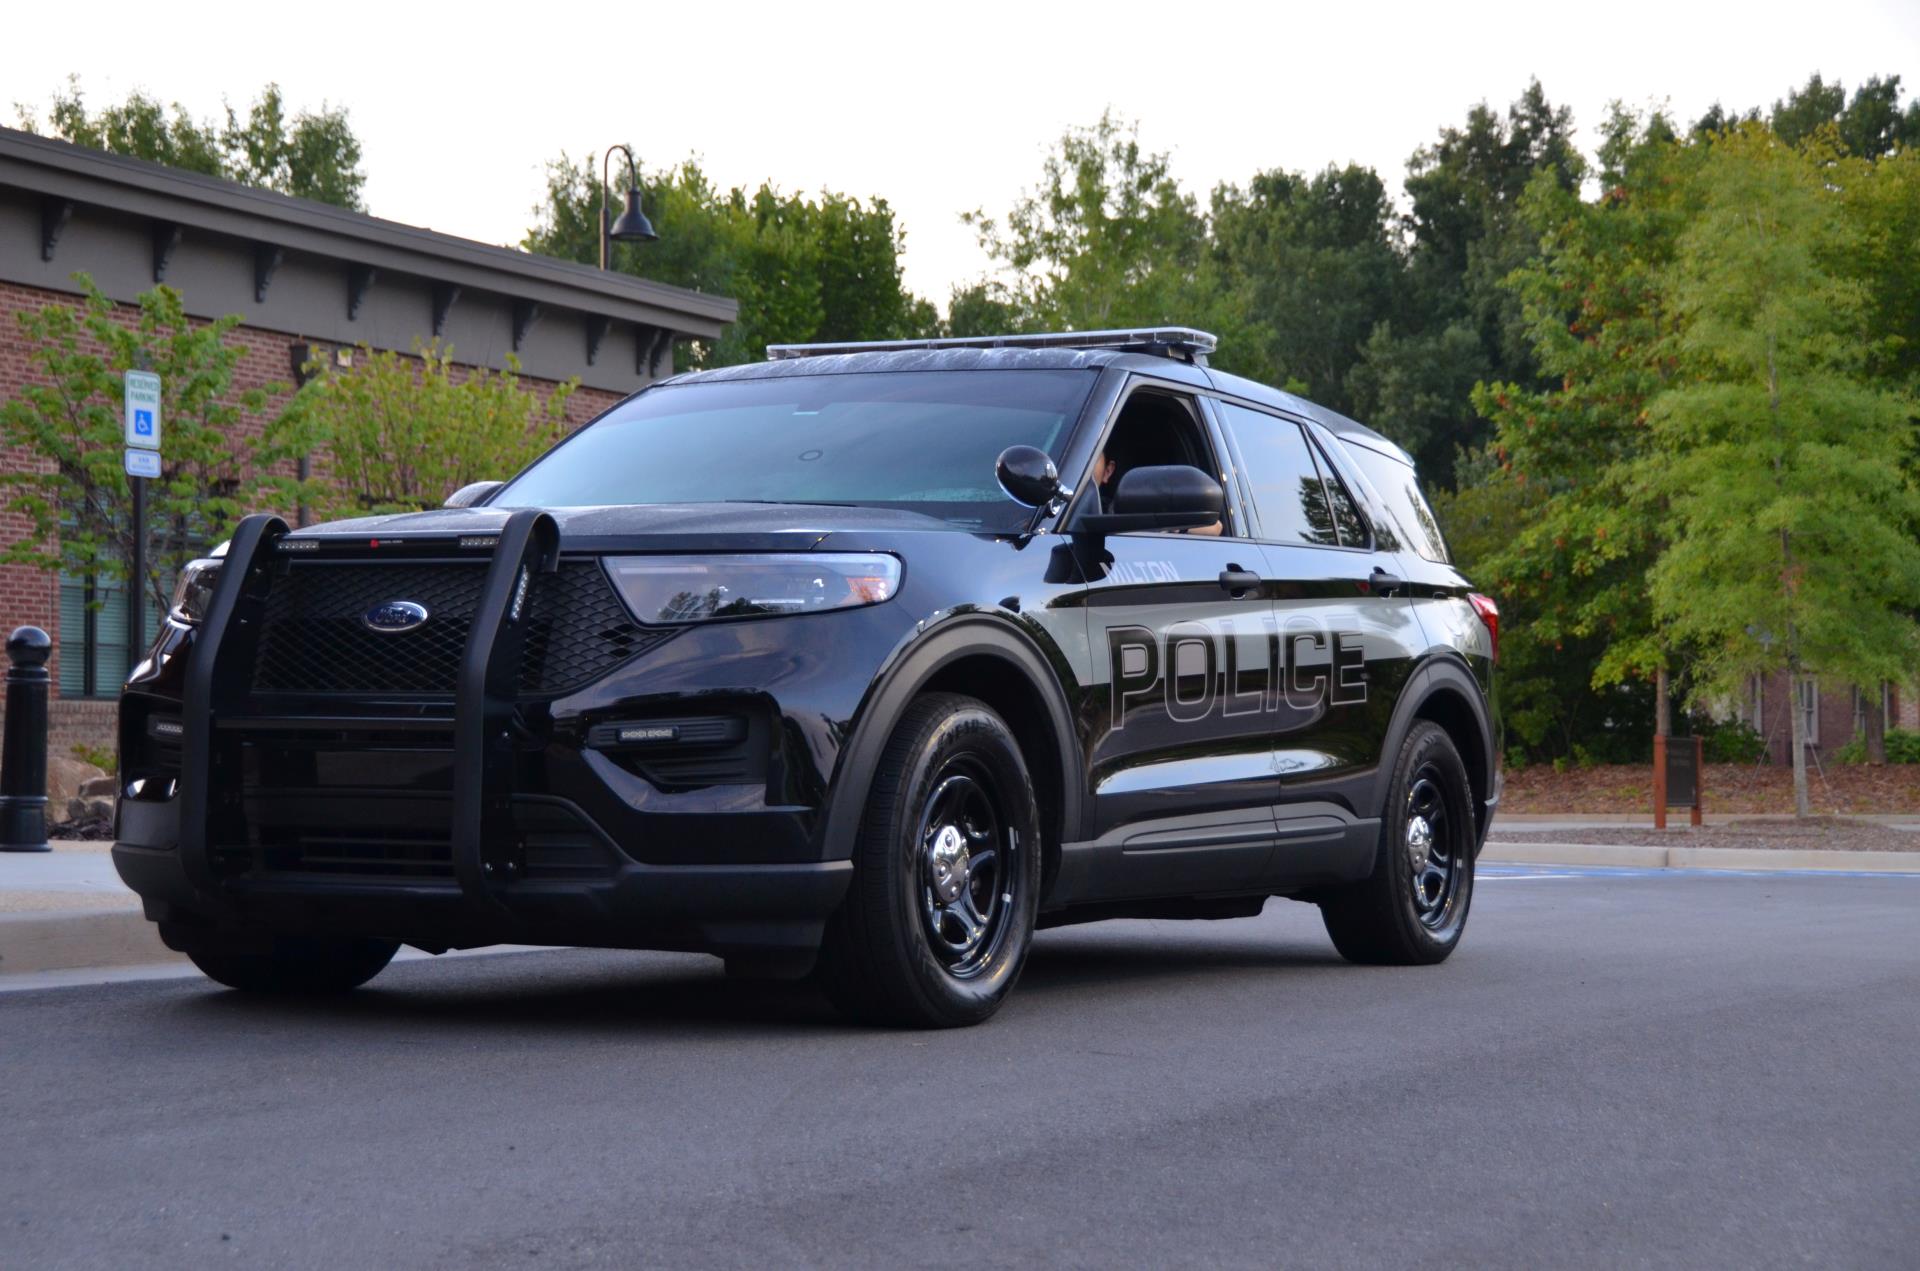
869	659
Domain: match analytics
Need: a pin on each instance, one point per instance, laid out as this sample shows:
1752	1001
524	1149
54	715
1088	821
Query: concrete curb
1624	856
67	940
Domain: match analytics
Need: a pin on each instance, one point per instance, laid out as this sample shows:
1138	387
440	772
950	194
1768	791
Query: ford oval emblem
392	616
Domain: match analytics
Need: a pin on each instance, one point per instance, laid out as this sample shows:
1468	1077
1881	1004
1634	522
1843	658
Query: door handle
1385	584
1238	581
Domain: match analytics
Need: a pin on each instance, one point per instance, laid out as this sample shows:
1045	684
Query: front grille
405	840
313	639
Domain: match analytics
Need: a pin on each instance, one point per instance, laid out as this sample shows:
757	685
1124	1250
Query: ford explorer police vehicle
863	662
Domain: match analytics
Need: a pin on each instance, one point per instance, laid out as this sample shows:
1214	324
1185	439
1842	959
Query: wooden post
1660	781
1699	777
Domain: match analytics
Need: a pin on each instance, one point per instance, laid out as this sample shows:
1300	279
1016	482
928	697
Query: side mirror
1174	496
468	495
1027	475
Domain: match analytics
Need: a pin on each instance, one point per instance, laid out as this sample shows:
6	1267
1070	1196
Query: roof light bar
1184	343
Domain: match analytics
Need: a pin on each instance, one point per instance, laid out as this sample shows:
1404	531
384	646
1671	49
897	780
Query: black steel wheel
1413	908
936	925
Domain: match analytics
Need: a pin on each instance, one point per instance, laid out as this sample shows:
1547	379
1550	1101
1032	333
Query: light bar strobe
1185	343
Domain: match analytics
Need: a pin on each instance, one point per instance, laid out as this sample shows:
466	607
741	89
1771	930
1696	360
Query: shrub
1730	741
1903	746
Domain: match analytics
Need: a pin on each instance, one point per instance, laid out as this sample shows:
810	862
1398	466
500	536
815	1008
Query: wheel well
1450	710
1004	687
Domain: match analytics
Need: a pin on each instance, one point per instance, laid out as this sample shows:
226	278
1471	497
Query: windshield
925	441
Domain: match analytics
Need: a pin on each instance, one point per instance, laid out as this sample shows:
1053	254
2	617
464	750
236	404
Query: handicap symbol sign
143	410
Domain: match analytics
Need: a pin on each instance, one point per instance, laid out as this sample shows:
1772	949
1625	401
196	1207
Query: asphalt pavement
1617	1069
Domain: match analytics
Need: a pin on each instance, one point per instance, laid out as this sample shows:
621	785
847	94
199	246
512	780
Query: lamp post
633	225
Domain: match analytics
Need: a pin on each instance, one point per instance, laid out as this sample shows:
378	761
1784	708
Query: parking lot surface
1618	1068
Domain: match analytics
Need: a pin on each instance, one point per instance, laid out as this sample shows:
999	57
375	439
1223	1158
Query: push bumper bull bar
733	905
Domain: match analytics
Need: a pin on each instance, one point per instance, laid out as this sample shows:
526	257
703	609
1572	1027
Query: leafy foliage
1109	239
802	269
1903	746
1794	519
399	434
313	155
77	499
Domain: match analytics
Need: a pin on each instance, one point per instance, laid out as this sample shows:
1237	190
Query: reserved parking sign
143	410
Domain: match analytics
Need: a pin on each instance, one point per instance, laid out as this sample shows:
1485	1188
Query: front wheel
293	964
936	926
1413	908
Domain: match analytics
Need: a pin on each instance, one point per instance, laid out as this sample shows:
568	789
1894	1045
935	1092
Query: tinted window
1399	497
1288	491
1346	514
920	440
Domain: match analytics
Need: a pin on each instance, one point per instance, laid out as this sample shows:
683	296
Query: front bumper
433	830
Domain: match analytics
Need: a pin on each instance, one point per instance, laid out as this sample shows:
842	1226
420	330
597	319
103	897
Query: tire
295	965
936	925
1412	909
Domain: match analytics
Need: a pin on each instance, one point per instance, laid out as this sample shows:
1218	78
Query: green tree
1454	322
76	501
803	269
1796	521
399	434
1316	265
1109	239
313	155
1868	125
1584	527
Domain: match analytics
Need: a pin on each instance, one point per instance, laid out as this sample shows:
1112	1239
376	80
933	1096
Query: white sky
937	109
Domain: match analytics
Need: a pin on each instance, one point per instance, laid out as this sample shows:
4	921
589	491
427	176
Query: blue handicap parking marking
143	423
1488	873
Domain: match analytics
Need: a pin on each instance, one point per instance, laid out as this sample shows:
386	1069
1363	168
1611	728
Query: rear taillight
1489	614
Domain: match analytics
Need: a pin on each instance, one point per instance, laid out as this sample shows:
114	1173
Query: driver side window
1157	428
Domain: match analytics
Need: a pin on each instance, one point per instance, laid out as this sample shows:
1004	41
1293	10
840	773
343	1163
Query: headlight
664	589
194	590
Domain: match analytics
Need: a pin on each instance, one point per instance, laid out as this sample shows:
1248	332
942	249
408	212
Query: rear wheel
936	926
1412	909
294	964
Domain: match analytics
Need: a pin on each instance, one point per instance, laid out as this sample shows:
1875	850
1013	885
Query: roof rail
1183	343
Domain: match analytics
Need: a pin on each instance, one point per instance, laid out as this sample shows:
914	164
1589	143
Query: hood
736	527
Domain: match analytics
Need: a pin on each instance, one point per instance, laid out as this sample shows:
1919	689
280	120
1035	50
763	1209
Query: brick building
1834	713
306	279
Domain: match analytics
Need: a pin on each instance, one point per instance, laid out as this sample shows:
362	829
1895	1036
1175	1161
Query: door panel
1181	759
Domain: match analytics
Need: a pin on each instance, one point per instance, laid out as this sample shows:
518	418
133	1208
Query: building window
1810	709
93	635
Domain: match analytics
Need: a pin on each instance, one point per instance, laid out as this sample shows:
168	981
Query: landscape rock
65	776
100	787
83	809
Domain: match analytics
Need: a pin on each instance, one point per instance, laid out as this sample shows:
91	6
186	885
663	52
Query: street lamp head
633	225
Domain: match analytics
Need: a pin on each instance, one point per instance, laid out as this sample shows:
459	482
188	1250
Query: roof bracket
597	325
166	237
54	215
525	314
648	344
359	278
444	294
266	260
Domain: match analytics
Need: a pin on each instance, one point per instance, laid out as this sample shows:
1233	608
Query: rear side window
1346	516
1399	494
1288	490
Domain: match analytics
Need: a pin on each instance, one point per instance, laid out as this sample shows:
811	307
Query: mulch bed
1815	833
1843	789
94	830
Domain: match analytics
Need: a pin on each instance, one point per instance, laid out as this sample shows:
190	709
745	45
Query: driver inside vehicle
1153	429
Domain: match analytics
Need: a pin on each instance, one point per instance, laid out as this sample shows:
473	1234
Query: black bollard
23	751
